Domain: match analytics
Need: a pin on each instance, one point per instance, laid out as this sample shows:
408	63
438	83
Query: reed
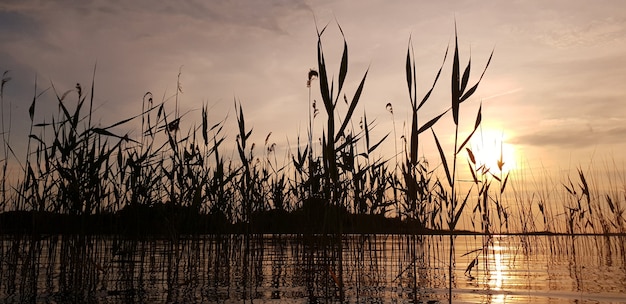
4	129
460	93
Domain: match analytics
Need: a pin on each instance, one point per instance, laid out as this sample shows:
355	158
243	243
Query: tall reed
460	93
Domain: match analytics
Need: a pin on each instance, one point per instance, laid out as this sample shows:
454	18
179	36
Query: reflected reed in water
304	268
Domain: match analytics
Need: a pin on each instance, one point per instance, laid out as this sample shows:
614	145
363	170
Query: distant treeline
171	220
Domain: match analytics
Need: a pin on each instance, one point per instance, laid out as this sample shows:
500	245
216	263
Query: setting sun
489	148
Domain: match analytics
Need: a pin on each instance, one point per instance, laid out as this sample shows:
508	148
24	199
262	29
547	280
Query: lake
313	269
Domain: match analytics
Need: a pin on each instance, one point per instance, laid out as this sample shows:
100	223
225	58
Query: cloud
569	24
570	33
13	24
574	133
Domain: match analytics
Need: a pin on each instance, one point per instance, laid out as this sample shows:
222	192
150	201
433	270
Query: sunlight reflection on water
551	270
297	269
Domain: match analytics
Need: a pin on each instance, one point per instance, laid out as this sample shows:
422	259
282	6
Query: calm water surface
313	269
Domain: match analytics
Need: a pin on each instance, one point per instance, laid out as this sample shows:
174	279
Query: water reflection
297	269
496	276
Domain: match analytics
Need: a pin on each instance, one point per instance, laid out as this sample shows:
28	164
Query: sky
554	91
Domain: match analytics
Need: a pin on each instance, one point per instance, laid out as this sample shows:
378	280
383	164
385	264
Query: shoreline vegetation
186	223
81	177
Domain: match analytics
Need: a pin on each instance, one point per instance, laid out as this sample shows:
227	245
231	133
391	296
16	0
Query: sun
492	152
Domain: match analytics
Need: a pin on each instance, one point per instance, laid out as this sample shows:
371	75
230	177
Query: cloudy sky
555	89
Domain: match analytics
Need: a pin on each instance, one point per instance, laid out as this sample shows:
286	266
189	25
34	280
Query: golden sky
555	88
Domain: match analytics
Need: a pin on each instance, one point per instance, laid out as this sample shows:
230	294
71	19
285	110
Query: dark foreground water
312	269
